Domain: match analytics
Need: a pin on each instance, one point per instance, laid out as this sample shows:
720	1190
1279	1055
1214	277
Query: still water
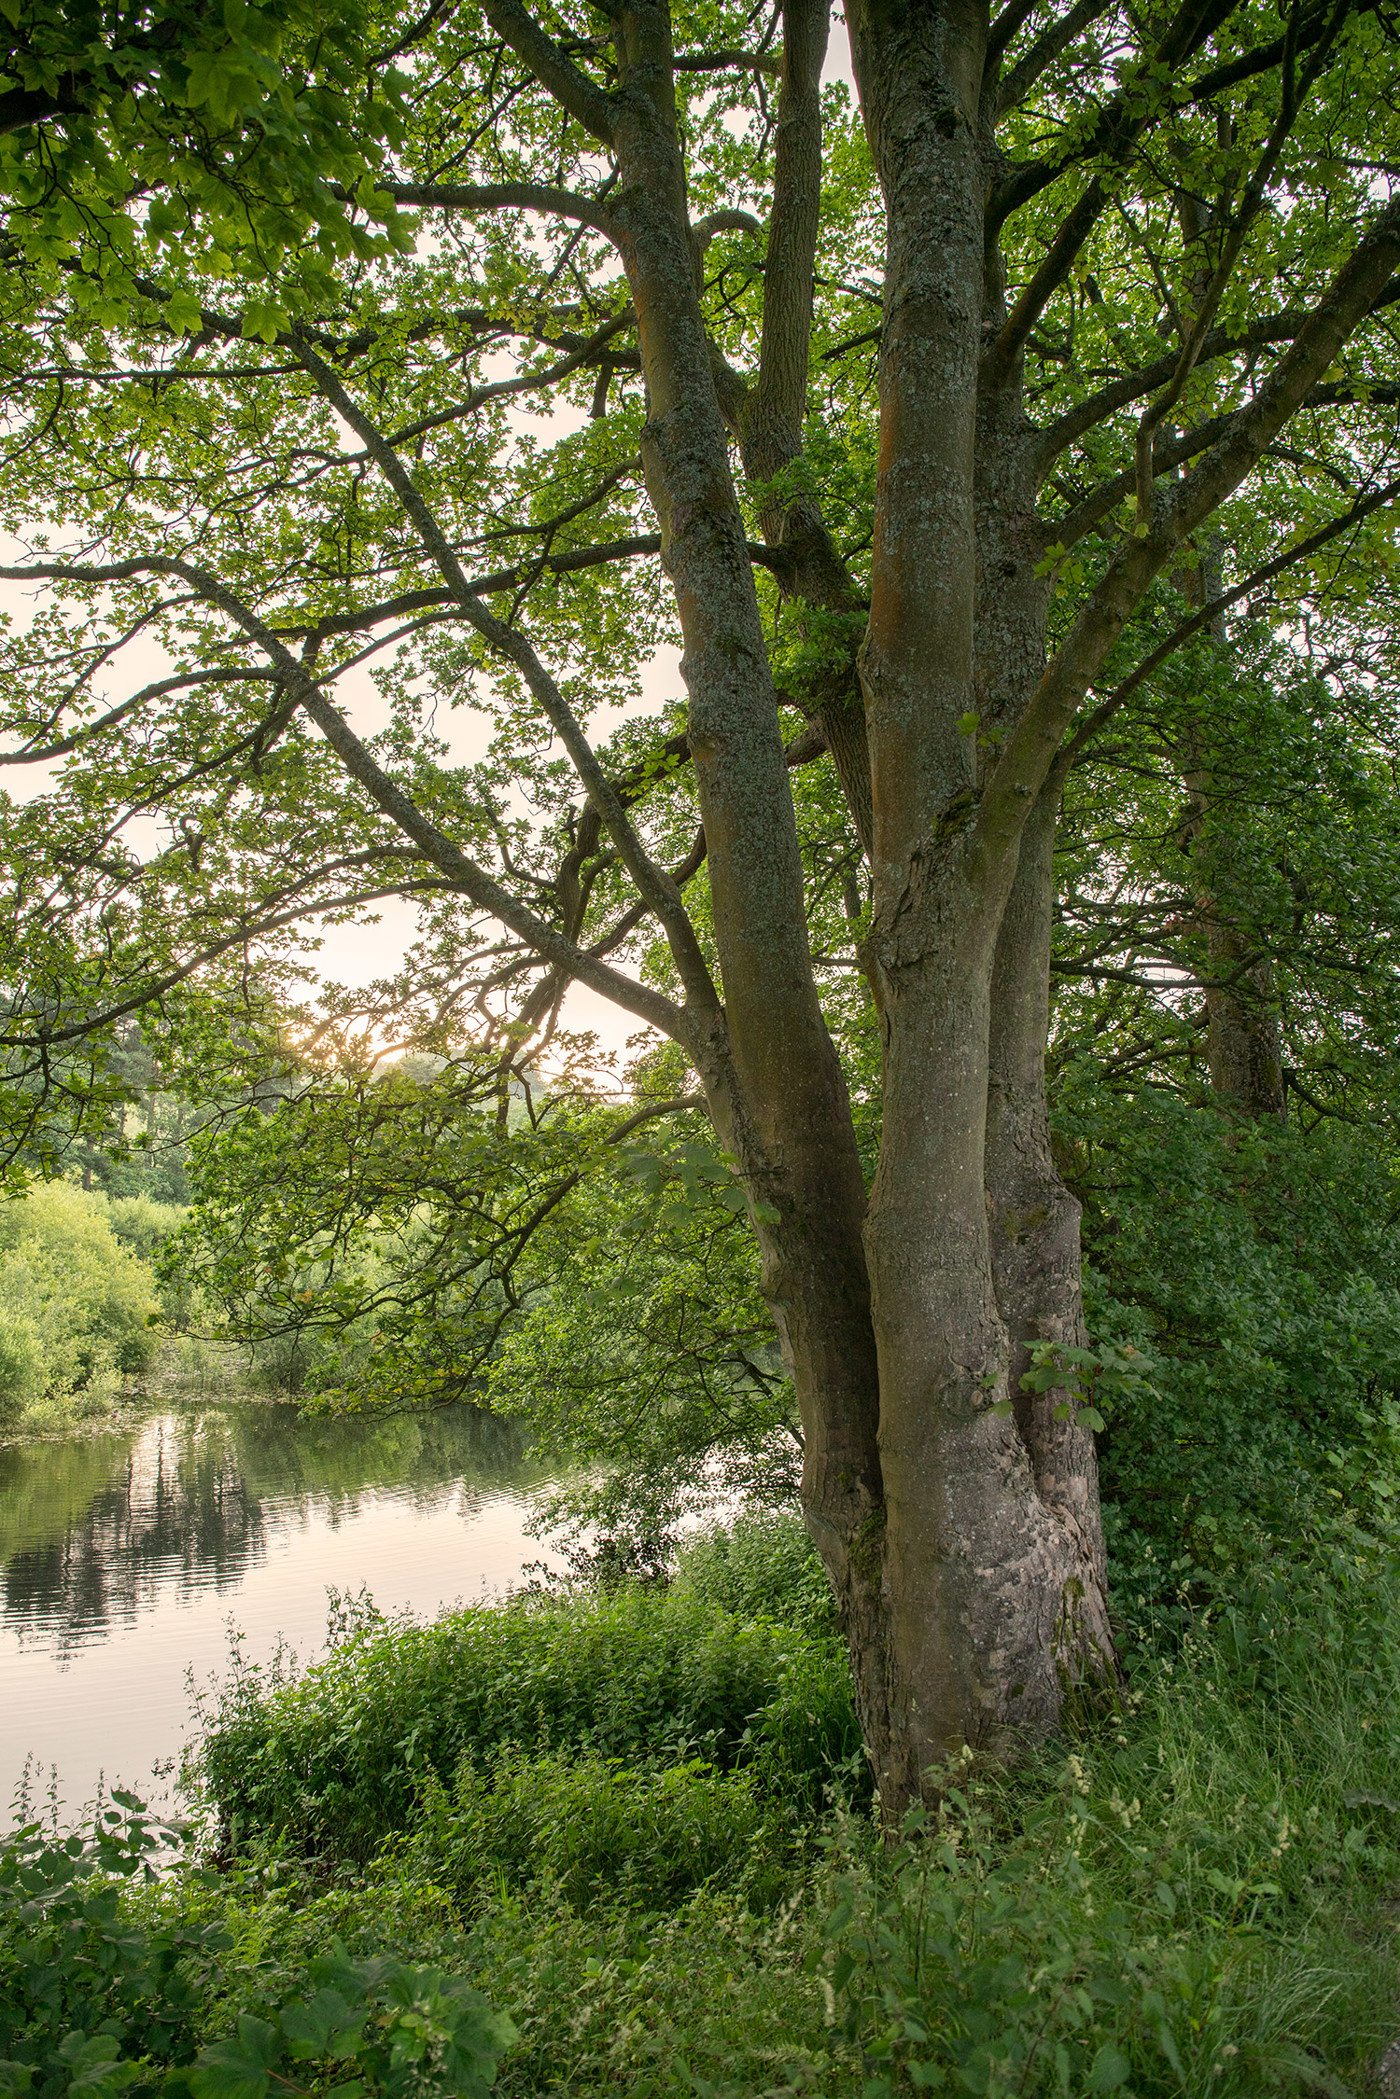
127	1561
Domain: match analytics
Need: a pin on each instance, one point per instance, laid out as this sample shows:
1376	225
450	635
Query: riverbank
89	1335
634	1826
186	1373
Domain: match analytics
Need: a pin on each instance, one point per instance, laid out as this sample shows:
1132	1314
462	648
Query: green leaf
1109	2069
241	2068
326	2025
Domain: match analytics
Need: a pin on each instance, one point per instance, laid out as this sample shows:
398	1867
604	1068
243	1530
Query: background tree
650	219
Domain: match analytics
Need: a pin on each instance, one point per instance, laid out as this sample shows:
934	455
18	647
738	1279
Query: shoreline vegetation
615	1834
170	1384
620	1840
91	1340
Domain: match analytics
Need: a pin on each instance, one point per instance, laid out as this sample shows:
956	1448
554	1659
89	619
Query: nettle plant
1084	1382
98	1995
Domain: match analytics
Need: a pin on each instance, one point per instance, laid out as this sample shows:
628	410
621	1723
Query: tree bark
984	1581
1036	1256
771	1074
1244	1040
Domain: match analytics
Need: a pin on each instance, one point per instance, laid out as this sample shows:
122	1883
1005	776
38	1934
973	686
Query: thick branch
1209	613
571	88
1116	129
464	873
1032	748
1036	296
1017	84
771	419
1250	206
652	881
501	196
1221	342
725	61
1167	453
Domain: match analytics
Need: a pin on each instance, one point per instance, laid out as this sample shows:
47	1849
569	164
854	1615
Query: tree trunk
959	1536
1036	1257
983	1577
986	1582
1244	1045
1244	1042
770	1071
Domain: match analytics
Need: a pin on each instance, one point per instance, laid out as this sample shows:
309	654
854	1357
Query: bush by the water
97	1995
763	1565
340	1755
597	1831
76	1303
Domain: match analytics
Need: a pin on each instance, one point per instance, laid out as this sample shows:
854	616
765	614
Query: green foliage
423	1245
142	1224
760	1565
1185	1904
598	1830
99	1993
610	2000
1253	1270
87	2004
396	2030
76	1307
647	1350
232	124
1189	1899
339	1757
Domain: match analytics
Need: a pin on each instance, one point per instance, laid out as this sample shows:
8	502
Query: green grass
1197	1901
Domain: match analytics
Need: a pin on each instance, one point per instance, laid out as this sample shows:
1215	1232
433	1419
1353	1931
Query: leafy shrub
615	2000
21	1364
142	1224
1190	1901
97	1994
1256	1268
405	2031
338	1758
75	1307
85	2001
599	1831
147	1227
760	1566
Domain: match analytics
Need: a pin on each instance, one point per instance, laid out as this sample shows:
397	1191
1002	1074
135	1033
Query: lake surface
128	1560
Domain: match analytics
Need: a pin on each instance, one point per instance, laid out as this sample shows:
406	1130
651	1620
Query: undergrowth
629	1826
338	1757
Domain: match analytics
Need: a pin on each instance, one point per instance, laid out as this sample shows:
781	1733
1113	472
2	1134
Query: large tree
934	423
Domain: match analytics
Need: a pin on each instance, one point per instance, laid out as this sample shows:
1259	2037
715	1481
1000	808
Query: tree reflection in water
91	1531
